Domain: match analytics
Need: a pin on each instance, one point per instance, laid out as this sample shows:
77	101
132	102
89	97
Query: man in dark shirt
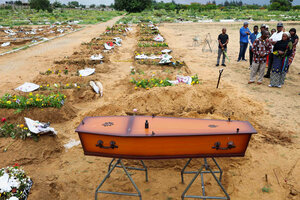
223	41
253	37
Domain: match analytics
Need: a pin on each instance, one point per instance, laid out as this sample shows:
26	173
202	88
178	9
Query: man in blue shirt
253	37
244	33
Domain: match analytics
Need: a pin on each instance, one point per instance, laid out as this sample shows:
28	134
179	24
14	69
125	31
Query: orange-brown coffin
127	137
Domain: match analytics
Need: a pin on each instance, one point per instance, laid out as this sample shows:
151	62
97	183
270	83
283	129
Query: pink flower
135	110
3	119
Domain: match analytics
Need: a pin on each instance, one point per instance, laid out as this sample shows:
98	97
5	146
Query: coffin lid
134	126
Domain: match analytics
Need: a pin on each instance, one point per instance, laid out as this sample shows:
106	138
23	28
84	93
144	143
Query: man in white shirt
273	39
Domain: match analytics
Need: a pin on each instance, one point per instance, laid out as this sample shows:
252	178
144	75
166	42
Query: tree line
140	5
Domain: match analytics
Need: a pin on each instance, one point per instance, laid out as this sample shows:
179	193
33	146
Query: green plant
41	101
150	83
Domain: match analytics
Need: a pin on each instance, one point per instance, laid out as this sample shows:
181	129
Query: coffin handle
217	146
101	145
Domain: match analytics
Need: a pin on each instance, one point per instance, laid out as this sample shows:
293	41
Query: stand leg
112	166
146	170
182	171
203	171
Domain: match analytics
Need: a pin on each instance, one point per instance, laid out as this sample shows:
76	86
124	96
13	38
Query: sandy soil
68	174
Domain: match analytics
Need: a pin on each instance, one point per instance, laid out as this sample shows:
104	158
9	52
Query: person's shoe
279	86
224	65
259	83
250	82
238	60
217	65
250	66
270	85
244	60
267	76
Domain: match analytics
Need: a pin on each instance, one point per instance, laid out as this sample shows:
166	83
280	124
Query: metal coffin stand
120	164
204	169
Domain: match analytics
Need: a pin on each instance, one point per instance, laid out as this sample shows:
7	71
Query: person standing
244	37
262	28
223	40
294	40
281	51
253	37
273	39
261	48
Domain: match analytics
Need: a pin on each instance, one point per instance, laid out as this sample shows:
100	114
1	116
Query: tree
57	4
282	5
73	4
40	5
132	5
18	3
92	6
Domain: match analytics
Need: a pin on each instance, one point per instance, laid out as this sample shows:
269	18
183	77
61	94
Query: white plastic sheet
39	127
71	144
166	51
97	57
28	87
108	47
158	38
5	44
86	71
97	87
165	59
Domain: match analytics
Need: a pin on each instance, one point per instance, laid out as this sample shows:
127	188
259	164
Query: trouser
257	68
250	56
243	49
220	52
271	55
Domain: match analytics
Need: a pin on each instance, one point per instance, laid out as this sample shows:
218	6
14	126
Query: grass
32	17
158	16
266	189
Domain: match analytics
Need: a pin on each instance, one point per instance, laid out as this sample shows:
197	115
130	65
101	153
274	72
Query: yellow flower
161	81
135	88
41	86
37	95
78	86
26	128
147	88
48	85
30	94
8	102
67	84
80	75
153	72
49	69
21	125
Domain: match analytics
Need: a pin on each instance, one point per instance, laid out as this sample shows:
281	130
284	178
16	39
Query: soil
60	173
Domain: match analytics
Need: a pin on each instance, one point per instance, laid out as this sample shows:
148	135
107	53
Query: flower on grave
62	102
16	165
3	119
8	102
21	125
25	128
135	110
78	86
18	101
30	94
67	85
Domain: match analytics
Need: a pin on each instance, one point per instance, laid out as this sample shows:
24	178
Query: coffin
147	137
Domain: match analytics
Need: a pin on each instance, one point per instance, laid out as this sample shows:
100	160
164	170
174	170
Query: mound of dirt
53	115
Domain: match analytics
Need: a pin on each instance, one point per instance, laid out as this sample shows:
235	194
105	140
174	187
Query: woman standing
294	40
282	51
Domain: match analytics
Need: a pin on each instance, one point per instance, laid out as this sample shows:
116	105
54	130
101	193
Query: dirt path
68	174
41	57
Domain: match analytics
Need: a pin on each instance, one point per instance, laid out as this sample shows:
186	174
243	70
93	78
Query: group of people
278	48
